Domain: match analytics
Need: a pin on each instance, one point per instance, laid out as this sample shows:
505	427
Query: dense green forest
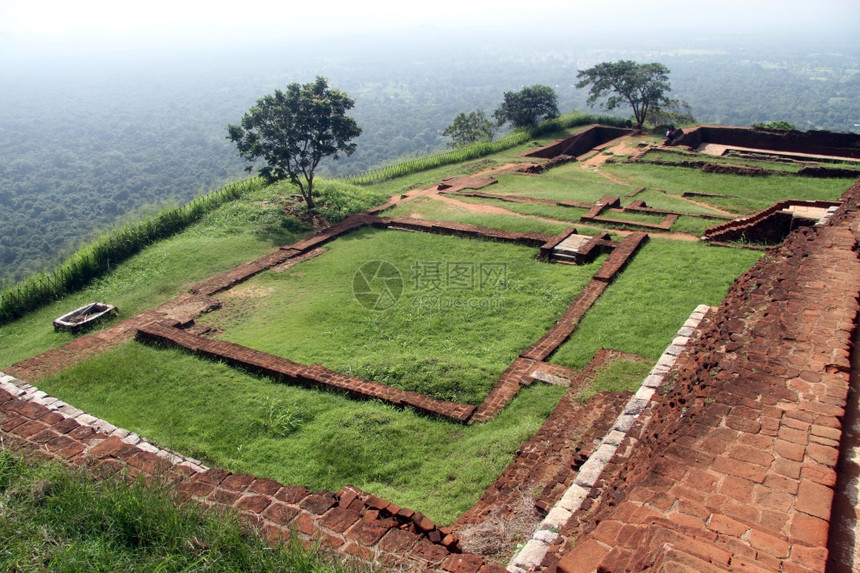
87	143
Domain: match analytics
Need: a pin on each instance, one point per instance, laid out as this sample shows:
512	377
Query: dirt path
707	206
493	210
596	161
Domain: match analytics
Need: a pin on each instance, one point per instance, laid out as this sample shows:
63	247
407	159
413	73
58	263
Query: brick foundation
734	466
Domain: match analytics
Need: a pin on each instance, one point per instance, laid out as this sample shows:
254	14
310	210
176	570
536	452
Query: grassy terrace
301	436
645	306
578	186
467	309
448	350
437	210
746	194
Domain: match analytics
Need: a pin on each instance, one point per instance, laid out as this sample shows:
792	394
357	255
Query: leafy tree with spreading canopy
644	87
470	128
677	113
292	131
528	106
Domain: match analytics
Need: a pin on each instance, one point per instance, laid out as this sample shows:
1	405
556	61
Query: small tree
471	128
293	131
528	106
644	87
676	113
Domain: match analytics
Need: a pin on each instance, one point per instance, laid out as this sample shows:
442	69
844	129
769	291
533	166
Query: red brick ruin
726	459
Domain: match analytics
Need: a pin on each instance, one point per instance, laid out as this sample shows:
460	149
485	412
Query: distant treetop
528	107
645	87
780	125
293	131
470	128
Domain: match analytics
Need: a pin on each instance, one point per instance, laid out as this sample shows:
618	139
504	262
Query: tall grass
95	259
60	519
479	149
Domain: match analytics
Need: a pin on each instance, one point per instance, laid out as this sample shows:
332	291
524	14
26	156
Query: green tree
676	113
293	131
780	125
469	128
528	106
644	87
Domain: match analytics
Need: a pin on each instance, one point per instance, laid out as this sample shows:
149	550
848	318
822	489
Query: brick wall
583	142
351	522
734	466
815	142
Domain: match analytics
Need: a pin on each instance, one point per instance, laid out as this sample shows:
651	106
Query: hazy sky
111	24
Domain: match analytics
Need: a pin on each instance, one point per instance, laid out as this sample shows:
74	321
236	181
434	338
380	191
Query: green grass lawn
449	336
559	213
234	234
55	518
235	420
749	194
664	201
436	210
646	305
693	225
584	188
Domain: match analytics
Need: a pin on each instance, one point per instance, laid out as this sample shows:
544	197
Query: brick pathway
735	468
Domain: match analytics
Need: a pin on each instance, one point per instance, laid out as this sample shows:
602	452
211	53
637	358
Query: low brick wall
351	522
529	239
664	225
562	330
811	142
735	464
523	199
769	225
583	142
313	375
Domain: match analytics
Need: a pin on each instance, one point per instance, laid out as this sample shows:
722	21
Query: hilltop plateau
595	341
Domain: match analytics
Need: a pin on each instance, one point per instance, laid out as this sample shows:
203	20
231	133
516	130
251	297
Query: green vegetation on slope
58	519
232	234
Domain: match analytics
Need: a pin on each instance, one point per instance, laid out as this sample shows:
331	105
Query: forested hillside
90	141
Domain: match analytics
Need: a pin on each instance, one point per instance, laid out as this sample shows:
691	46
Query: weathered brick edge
520	199
351	522
733	229
561	330
737	465
313	375
533	552
549	461
530	239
